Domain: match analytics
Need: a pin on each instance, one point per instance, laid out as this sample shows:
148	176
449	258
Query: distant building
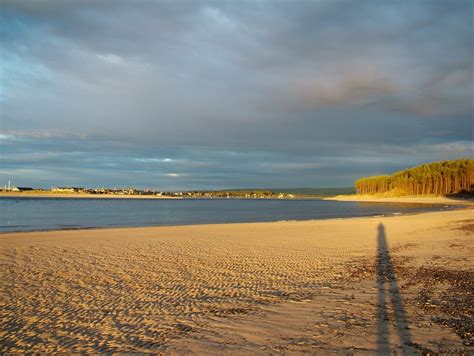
24	189
68	189
10	187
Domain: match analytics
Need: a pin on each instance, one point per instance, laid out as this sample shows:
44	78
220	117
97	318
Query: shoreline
255	223
293	287
128	196
82	196
408	199
439	200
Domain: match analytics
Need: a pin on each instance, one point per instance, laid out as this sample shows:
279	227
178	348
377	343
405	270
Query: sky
181	95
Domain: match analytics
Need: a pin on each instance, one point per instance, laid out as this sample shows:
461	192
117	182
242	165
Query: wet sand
365	285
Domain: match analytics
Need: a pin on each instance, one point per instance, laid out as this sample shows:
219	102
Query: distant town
9	187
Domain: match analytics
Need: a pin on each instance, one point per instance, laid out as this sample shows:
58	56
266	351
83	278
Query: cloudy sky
219	94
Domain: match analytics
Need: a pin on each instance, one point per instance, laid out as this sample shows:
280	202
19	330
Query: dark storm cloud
202	94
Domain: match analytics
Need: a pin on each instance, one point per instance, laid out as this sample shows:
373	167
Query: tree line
438	178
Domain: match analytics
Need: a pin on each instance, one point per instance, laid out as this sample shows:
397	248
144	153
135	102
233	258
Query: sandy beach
408	199
364	285
82	195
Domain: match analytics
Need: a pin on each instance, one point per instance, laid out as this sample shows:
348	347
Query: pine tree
447	177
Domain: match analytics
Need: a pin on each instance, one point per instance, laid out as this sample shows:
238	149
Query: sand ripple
138	293
143	290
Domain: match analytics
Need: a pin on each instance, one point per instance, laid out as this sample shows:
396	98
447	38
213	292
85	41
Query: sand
363	285
82	195
401	199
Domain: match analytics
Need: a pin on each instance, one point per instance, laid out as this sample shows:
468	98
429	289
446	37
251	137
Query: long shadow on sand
388	290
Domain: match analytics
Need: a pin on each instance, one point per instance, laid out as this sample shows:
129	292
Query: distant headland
81	192
454	178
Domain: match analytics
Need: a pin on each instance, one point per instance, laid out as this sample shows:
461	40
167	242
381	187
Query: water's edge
43	214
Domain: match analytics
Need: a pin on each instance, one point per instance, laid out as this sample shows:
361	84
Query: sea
33	214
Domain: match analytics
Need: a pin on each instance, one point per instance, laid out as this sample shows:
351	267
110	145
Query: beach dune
345	285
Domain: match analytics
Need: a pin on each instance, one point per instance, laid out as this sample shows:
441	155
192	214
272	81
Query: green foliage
438	178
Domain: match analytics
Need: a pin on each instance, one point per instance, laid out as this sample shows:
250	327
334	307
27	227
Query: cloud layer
191	94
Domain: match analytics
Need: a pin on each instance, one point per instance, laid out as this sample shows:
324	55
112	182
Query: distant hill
315	191
437	178
305	191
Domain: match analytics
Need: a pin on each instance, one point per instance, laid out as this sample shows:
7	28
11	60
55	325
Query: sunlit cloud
153	160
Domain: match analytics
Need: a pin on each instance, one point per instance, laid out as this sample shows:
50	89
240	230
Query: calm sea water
24	214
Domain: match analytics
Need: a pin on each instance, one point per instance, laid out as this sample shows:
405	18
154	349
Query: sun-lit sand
401	283
402	199
82	195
